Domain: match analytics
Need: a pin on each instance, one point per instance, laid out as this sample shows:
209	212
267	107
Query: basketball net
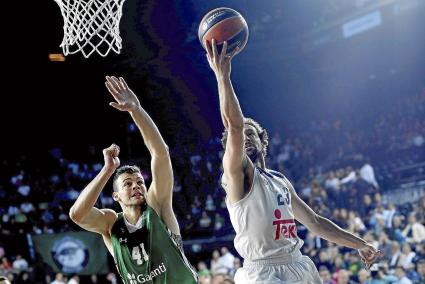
91	25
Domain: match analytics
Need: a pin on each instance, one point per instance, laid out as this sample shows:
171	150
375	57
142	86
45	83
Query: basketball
224	24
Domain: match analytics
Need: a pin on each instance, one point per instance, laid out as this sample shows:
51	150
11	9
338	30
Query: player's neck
132	214
260	162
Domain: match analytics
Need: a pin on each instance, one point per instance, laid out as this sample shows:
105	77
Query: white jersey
263	220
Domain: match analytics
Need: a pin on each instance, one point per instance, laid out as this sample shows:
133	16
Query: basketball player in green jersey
145	238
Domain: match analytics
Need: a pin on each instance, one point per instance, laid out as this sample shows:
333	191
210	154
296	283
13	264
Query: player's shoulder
109	212
276	174
111	216
271	173
280	176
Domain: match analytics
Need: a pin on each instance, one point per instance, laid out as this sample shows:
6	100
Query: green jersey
151	254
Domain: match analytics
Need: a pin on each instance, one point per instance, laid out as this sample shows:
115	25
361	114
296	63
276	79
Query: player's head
256	139
129	186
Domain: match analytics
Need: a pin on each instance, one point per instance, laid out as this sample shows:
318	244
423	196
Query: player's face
252	142
132	189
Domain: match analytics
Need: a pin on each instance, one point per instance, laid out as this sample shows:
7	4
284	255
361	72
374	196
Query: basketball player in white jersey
262	203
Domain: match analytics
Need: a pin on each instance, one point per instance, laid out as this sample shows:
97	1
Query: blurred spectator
344	277
228	280
421	270
218	278
227	259
74	279
406	257
204	277
93	279
414	231
363	276
24	278
205	220
217	266
112	278
396	232
218	222
368	174
209	203
326	275
59	279
5	264
20	263
236	265
395	254
401	276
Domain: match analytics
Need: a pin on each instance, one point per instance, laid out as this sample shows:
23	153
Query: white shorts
291	269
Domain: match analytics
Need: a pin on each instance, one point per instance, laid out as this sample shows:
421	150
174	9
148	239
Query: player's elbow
314	224
234	122
235	127
161	152
75	216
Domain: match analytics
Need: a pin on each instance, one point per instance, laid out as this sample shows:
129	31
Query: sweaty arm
83	212
162	173
161	189
236	164
321	226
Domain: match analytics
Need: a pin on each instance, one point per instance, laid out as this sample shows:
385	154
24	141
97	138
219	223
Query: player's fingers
109	149
112	82
117	106
214	49
111	88
123	83
116	150
223	51
116	83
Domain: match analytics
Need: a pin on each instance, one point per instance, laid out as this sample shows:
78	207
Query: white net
91	25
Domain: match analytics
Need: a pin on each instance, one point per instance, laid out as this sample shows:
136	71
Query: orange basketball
224	24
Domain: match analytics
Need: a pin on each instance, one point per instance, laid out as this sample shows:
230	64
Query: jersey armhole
240	202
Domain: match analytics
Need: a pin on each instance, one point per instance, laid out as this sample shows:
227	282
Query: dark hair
124	170
262	133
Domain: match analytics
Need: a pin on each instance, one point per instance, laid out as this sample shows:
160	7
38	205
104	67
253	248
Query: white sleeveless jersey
263	219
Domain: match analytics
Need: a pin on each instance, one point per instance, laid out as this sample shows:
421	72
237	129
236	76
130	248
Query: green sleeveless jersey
152	254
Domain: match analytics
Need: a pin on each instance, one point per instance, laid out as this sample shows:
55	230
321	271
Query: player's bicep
302	212
162	179
234	154
98	220
167	215
237	183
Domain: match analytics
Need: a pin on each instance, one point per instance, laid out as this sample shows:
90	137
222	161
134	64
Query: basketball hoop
91	25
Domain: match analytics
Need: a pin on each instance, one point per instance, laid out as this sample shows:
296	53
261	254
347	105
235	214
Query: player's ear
115	196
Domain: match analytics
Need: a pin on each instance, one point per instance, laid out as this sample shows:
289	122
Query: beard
253	154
